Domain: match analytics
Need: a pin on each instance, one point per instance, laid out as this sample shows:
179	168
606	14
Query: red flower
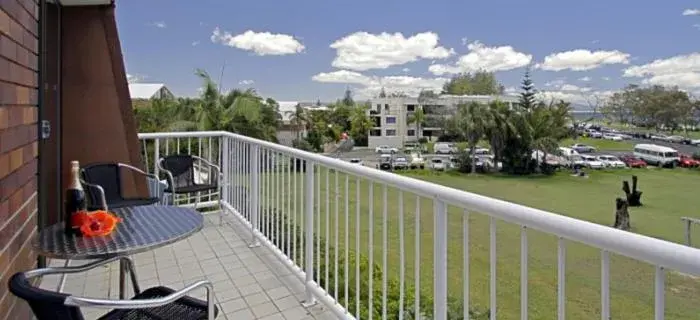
98	223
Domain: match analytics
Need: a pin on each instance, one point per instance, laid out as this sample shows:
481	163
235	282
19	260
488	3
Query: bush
302	145
354	259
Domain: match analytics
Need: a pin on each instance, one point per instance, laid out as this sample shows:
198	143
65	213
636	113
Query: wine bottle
75	200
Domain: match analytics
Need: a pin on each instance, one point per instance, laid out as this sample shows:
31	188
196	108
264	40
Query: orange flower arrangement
95	223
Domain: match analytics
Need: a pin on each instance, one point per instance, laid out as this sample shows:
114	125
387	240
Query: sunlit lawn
668	195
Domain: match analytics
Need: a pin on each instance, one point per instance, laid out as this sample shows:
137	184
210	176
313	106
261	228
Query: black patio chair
183	172
104	186
155	303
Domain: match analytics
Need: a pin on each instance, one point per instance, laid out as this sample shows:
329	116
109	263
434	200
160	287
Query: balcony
308	236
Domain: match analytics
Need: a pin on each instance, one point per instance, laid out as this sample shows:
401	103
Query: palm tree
298	119
498	127
471	123
237	111
418	117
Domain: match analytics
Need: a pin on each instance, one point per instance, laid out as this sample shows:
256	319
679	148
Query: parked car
612	137
438	164
688	162
660	156
695	142
385	149
445	148
658	136
417	161
593	133
582	148
384	162
413	147
592	162
611	161
679	139
633	162
399	163
357	161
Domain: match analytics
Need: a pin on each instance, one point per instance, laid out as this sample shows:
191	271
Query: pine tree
347	99
382	94
527	96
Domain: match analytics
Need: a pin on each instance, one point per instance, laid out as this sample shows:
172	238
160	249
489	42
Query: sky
580	51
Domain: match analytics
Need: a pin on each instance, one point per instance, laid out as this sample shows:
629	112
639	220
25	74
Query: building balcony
309	236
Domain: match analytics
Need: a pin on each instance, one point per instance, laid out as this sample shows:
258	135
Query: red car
633	162
688	162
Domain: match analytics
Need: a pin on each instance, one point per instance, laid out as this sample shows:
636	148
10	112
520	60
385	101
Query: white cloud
570	87
195	43
483	58
362	51
372	85
691	12
246	82
133	78
261	43
685	80
585	79
405	69
682	71
580	98
582	60
159	24
606	78
677	64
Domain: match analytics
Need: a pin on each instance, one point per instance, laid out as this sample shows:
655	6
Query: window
386	107
375	133
390	132
411	107
411	132
377	121
390	120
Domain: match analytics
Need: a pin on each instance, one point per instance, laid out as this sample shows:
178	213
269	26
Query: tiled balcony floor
249	283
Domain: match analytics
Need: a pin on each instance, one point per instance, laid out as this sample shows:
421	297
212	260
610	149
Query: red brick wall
18	145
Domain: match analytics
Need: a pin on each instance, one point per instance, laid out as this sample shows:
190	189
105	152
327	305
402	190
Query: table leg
123	269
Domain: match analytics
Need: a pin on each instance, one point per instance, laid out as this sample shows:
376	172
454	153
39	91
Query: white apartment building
391	117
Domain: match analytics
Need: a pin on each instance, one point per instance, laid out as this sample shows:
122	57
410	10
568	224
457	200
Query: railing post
440	260
223	179
254	192
309	189
156	156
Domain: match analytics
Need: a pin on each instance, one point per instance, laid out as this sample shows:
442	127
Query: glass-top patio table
143	228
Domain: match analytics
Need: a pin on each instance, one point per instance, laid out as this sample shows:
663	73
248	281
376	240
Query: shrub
393	286
302	144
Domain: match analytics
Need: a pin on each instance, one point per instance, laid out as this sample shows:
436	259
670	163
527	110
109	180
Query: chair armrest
99	189
75	269
168	175
137	170
145	303
219	174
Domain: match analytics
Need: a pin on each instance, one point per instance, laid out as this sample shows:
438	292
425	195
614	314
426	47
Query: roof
655	147
144	90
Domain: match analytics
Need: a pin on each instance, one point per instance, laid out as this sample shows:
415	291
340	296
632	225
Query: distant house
149	91
288	131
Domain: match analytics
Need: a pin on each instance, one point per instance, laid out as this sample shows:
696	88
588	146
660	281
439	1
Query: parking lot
370	158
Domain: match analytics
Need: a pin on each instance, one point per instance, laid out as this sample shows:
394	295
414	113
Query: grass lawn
668	195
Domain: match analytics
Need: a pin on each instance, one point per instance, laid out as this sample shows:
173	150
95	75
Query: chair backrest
46	305
106	175
182	168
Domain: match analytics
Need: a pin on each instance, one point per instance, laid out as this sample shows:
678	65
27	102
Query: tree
298	119
478	83
360	123
527	95
470	122
427	94
347	98
382	93
417	118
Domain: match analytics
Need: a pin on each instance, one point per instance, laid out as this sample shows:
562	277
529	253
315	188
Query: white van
657	155
444	148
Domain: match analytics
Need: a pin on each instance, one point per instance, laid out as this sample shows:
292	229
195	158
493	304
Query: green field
668	195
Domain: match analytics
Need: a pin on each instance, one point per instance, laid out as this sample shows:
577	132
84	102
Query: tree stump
622	215
634	196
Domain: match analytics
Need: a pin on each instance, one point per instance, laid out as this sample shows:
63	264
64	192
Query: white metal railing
330	220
